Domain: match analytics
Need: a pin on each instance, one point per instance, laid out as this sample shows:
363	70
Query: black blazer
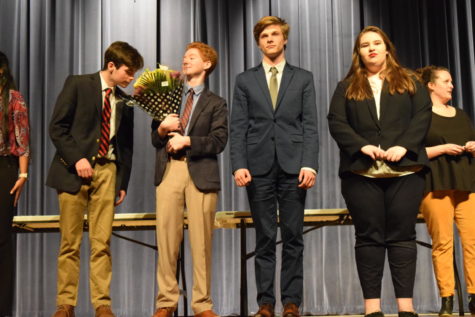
208	131
75	129
259	134
404	121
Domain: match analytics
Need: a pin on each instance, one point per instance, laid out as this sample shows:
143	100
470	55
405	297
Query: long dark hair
6	83
399	78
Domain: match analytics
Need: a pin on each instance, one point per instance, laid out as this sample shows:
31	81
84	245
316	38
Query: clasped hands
243	177
455	149
393	154
168	127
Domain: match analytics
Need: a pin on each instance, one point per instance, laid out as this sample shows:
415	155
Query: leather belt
103	160
179	156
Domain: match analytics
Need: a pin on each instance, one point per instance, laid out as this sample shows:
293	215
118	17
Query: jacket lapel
262	83
383	102
97	92
371	104
285	81
200	106
119	95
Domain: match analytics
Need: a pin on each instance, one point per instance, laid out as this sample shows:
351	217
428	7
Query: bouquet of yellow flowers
158	92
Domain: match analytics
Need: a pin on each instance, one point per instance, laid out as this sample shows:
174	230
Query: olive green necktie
273	88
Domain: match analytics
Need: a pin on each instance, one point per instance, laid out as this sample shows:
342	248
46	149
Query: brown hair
122	53
270	20
399	78
208	54
429	74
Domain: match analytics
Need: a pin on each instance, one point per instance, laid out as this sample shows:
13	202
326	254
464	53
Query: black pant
9	175
264	193
384	213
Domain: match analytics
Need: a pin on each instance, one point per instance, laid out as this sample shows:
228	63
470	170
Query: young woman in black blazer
379	116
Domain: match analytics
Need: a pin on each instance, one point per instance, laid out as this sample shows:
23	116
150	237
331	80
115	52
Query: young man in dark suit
274	152
187	175
92	130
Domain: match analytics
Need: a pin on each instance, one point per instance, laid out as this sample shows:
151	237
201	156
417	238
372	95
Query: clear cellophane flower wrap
158	92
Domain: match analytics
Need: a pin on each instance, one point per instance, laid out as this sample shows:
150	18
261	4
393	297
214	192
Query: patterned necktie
273	86
187	112
105	124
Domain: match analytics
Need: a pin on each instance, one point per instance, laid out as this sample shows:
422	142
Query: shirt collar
280	66
104	85
197	89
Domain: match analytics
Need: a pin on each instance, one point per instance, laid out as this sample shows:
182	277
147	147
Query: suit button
272	138
275	120
93	158
97	140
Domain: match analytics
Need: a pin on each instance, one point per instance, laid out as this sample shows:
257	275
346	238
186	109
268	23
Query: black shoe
375	314
471	303
407	314
447	306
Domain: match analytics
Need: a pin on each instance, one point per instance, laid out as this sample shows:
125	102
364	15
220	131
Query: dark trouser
384	212
264	193
9	175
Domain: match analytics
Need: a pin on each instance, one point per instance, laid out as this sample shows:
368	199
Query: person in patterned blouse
14	155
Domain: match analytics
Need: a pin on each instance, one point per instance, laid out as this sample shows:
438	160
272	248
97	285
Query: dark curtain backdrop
46	40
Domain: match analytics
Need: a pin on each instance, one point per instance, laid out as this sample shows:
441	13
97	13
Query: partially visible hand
470	147
374	152
17	188
169	124
138	91
177	142
306	179
120	197
395	153
84	168
453	149
242	177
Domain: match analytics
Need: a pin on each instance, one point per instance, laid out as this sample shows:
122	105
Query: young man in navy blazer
274	153
92	130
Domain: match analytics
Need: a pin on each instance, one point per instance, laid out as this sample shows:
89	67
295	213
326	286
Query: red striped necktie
187	112
105	124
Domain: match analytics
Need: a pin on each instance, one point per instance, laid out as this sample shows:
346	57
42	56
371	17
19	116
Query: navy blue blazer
259	135
404	120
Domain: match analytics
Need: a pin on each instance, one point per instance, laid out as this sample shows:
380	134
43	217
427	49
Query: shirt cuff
309	169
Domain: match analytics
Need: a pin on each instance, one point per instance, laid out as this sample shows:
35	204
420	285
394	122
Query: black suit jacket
75	129
404	121
208	131
259	134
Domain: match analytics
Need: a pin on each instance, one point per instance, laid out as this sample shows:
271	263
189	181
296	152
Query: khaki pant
97	197
174	193
440	210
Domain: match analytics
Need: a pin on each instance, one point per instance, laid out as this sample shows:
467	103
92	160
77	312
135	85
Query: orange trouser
440	210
